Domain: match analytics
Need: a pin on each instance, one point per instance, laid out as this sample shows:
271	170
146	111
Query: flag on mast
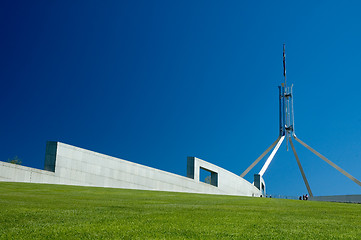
284	61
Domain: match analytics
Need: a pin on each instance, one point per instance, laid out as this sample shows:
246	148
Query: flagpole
284	62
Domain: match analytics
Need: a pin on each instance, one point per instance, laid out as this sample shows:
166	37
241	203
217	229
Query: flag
284	61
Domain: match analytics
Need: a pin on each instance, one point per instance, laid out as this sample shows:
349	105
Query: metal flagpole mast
301	169
270	158
260	157
290	121
282	130
287	130
286	99
328	161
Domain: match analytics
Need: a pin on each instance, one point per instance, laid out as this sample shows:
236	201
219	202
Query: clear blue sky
156	81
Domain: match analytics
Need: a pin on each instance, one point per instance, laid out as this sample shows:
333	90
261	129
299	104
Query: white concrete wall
228	182
15	173
338	198
76	166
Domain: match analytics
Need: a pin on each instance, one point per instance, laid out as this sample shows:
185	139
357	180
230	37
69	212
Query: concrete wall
259	183
227	182
66	164
339	198
15	173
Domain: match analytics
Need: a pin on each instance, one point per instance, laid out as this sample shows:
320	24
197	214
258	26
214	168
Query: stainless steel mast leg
301	169
260	157
269	159
328	161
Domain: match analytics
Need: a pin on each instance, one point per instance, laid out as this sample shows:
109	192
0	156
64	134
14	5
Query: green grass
40	211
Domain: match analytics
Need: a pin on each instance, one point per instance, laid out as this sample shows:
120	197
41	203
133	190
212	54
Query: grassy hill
40	211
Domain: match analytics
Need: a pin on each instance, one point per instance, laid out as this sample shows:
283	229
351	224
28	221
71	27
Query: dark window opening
208	177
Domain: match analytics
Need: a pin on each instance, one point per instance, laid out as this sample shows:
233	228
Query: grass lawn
41	211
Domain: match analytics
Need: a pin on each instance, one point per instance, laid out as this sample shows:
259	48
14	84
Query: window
208	176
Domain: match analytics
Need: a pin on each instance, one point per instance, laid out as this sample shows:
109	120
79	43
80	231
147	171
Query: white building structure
69	165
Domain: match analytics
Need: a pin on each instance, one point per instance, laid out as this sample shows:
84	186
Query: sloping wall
66	164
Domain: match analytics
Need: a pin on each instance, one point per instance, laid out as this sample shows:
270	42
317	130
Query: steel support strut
301	169
260	157
269	159
329	162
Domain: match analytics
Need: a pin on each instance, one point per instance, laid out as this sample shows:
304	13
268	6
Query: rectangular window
208	176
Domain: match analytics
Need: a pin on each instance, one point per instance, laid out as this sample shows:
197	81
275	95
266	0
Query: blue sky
156	81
